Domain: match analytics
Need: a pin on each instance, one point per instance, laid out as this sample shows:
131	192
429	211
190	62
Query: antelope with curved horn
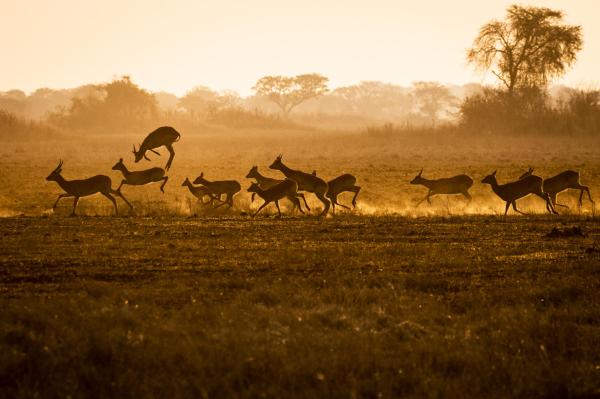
219	187
511	192
163	136
265	183
141	177
459	184
82	188
566	180
305	181
284	189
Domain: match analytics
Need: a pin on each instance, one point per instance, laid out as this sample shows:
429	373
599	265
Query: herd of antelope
296	182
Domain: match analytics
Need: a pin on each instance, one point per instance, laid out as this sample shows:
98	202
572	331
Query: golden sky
225	44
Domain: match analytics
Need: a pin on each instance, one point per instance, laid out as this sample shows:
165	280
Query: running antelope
511	192
268	182
166	136
450	185
141	177
82	188
199	192
345	182
219	187
305	181
284	189
554	185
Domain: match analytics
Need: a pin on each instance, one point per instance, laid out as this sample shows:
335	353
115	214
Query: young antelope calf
265	182
220	187
199	192
287	188
141	177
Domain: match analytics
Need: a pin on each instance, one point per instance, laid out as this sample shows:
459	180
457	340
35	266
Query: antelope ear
134	151
120	159
494	174
420	172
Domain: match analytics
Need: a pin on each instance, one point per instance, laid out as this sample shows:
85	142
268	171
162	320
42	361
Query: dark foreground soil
479	306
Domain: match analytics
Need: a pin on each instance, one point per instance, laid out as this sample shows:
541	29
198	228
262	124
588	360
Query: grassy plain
388	301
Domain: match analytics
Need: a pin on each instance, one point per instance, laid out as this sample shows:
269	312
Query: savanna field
388	300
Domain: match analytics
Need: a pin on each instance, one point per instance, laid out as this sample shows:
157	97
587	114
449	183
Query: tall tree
431	98
528	49
289	92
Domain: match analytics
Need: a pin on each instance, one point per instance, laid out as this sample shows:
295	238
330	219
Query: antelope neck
495	185
62	182
286	170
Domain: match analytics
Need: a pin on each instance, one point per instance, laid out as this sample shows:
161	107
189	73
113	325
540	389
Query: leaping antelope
166	136
511	192
199	192
554	185
286	188
219	187
82	188
265	183
345	182
305	181
459	184
140	177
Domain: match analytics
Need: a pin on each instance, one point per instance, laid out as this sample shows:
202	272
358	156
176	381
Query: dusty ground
300	307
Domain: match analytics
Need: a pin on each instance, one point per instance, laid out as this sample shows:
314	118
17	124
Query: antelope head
252	172
418	179
55	175
489	179
139	154
119	165
199	179
277	164
186	182
254	188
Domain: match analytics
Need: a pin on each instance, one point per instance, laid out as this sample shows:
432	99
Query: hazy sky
225	44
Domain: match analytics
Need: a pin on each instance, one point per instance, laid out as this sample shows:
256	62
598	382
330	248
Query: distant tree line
525	52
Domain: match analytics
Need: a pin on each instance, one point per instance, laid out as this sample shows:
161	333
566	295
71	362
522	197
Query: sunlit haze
176	45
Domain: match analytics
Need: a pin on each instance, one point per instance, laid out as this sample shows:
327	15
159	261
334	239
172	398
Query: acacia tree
528	49
290	91
431	98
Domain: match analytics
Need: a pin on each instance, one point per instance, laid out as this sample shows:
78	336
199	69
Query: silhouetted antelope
554	185
345	182
305	181
511	192
166	136
268	182
450	185
285	189
82	188
199	192
219	187
140	177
